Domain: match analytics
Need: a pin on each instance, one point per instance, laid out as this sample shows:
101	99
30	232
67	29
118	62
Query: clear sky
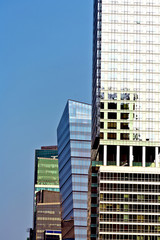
45	59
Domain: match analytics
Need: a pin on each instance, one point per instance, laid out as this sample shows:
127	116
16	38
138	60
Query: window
125	96
112	96
124	106
126	196
124	115
124	136
125	217
102	115
102	105
126	208
140	197
112	135
135	96
124	125
101	124
112	125
112	115
101	135
112	105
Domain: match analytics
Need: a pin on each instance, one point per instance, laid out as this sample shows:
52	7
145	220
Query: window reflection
112	96
125	96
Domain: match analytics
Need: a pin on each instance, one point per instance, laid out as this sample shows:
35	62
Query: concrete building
48	216
52	235
125	118
128	203
74	155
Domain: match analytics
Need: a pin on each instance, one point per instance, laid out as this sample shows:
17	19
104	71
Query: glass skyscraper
125	121
74	155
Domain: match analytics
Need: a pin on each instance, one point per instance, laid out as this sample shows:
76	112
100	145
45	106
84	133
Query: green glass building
46	173
46	169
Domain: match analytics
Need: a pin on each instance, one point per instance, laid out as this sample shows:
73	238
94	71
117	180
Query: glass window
124	136
112	96
101	135
112	105
124	125
124	106
124	115
125	217
125	96
102	115
112	135
102	105
112	115
101	124
112	125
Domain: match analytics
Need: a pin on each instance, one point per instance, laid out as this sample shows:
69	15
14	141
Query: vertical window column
143	156
118	156
105	156
131	156
156	156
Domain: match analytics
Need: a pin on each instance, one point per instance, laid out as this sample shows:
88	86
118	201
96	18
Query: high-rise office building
48	216
128	203
74	152
46	175
125	120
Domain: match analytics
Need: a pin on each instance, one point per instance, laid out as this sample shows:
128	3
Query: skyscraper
125	119
74	152
48	216
46	175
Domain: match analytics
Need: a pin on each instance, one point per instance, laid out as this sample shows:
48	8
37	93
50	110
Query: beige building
125	116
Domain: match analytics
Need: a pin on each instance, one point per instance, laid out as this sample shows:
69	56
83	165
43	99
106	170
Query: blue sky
46	58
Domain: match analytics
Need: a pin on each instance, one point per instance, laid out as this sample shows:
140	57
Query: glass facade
47	171
74	152
46	175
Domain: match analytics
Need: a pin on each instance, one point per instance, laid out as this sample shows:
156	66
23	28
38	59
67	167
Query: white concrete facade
129	70
126	118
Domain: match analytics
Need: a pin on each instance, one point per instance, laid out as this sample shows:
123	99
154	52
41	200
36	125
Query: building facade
125	104
52	235
126	73
128	203
46	175
74	152
48	216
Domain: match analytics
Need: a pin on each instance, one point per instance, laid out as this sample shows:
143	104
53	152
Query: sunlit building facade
125	105
128	203
74	155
